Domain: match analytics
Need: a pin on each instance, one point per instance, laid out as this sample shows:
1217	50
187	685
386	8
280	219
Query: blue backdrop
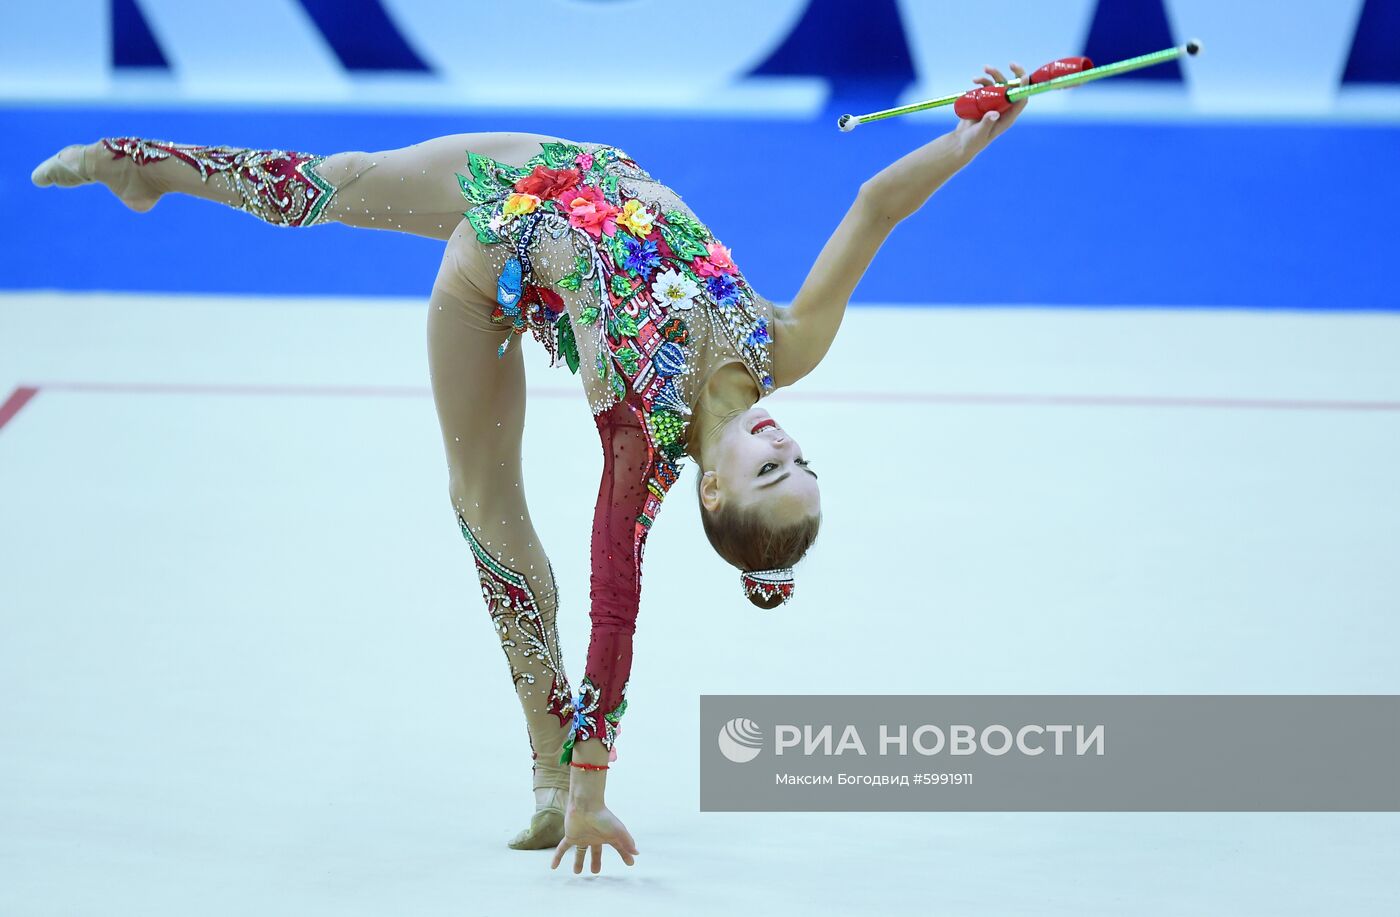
1056	213
1213	211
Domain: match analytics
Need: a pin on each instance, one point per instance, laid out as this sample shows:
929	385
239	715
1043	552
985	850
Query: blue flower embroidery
642	257
722	289
759	334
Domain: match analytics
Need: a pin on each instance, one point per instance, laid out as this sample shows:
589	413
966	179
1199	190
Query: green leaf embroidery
567	345
629	359
682	244
686	224
618	250
571	282
488	178
480	218
626	325
509	174
484	181
620	286
559	155
619	388
588	315
465	184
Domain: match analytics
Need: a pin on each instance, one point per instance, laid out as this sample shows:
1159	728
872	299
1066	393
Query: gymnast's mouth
763	424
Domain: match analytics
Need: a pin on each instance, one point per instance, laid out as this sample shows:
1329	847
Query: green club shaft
1096	73
911	108
1018	91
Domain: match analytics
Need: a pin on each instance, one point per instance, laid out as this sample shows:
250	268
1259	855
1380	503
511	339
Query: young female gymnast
617	277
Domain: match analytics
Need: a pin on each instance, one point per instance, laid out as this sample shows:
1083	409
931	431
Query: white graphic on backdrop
1261	58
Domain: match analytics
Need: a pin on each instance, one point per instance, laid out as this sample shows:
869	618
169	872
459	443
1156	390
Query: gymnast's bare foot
547	826
82	164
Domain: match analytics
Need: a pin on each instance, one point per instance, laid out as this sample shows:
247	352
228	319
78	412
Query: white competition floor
245	667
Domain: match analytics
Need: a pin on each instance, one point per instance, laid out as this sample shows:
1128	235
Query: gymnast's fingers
983	81
1019	71
995	74
597	858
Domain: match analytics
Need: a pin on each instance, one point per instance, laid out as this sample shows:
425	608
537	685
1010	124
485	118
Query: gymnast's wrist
587	788
588	772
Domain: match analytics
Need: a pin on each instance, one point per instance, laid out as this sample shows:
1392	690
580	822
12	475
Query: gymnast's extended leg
480	398
480	401
413	189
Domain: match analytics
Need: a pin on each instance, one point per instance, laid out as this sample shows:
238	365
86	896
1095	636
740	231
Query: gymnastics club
1060	74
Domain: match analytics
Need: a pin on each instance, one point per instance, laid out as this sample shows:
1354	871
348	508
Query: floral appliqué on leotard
645	272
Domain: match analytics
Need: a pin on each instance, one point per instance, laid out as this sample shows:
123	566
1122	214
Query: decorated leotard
615	276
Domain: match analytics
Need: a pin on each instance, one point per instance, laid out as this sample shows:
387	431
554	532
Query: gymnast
576	244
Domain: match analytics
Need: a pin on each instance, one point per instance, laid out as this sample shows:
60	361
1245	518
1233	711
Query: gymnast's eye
806	464
767	467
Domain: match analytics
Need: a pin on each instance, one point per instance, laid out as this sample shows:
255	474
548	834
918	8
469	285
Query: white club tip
1194	47
847	122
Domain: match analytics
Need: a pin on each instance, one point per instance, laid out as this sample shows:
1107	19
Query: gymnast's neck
729	392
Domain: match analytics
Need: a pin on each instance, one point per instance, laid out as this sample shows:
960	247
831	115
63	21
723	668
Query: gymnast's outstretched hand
587	828
975	135
588	823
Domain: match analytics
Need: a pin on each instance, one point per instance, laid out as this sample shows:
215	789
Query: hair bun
768	588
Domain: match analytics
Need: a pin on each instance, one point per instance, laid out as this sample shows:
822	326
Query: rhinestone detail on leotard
516	617
276	186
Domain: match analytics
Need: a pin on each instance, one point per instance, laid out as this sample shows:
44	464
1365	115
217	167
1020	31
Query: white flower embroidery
674	290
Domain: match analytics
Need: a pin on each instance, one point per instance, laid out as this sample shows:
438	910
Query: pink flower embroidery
717	264
703	268
584	161
590	211
720	257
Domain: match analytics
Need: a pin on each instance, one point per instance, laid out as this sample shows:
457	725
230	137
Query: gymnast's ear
708	488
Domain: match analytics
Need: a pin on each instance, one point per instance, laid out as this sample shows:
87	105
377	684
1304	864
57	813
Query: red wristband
588	767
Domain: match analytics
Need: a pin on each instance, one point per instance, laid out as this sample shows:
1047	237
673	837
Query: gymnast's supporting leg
480	401
411	190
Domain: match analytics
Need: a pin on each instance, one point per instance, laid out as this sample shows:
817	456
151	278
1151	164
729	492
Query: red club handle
1062	67
977	102
972	105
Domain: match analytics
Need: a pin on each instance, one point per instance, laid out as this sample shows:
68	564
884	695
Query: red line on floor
1137	401
954	398
17	400
199	388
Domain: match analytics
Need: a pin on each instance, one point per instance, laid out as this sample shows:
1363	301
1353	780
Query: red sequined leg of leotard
634	481
276	186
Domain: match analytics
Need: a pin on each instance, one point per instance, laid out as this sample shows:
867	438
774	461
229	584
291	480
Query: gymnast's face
754	463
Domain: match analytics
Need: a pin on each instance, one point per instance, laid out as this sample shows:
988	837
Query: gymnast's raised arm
805	329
